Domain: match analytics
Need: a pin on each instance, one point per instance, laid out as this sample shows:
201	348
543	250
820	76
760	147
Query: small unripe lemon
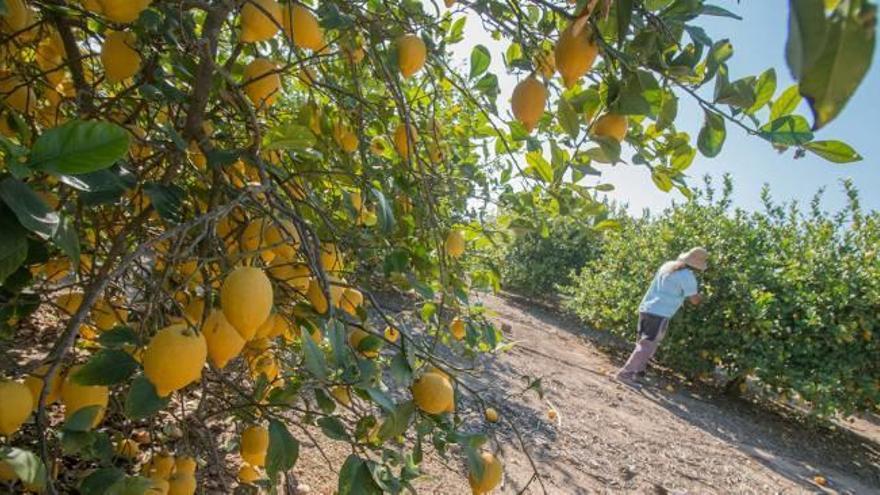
491	415
433	393
248	474
181	484
354	340
75	397
302	27
260	20
528	101
34	383
455	243
457	329
246	299
223	340
174	358
611	125
316	297
392	334
261	82
575	53
402	140
119	56
121	11
16	404
253	445
411	54
491	476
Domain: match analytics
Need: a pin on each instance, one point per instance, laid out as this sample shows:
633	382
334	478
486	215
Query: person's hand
696	299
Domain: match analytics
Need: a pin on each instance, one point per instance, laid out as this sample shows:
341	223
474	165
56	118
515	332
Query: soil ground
665	437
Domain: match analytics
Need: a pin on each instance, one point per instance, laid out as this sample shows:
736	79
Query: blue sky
759	43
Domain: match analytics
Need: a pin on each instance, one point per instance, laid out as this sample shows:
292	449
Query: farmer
673	283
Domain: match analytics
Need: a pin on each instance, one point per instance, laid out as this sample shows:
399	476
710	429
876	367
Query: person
674	282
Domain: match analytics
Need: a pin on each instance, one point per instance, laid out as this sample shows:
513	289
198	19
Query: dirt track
609	438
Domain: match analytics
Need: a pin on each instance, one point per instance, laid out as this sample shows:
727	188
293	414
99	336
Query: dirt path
662	438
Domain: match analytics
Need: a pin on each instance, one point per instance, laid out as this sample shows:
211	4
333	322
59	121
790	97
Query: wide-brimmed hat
695	258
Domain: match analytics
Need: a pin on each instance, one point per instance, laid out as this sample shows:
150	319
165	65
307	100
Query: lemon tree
200	200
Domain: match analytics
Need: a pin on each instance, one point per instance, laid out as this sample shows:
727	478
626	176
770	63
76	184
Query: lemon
34	383
433	393
575	53
108	314
248	474
174	358
181	484
75	397
283	239
255	234
611	125
265	365
159	466
119	56
261	82
402	139
345	138
455	243
185	464
158	486
316	296
457	328
16	18
491	415
392	334
302	27
528	101
221	338
341	394
253	445
122	11
16	404
295	275
331	257
194	311
351	300
17	94
491	476
246	299
354	340
260	20
128	449
411	54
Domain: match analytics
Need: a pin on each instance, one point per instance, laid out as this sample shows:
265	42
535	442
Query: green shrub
792	299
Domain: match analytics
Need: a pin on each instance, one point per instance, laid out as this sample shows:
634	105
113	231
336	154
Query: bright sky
759	43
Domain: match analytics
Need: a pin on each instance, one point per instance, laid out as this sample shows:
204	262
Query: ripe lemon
402	140
316	296
378	146
174	358
411	54
528	101
575	53
128	449
295	275
158	486
351	300
121	11
248	474
491	476
611	125
34	383
119	56
491	415
253	445
16	404
16	18
75	397
108	314
246	299
194	311
185	465
341	394
260	20
455	243
354	340
457	329
159	466
261	82
392	334
283	239
221	338
302	28
17	94
181	484
265	365
345	138
331	257
254	235
433	393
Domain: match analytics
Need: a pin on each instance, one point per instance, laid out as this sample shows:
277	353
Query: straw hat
695	258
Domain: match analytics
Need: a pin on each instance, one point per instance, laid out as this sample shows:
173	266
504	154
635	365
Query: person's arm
690	289
695	299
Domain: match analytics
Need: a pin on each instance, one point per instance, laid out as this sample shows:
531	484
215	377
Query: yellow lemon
122	11
108	314
575	53
246	299
248	474
56	269
283	239
302	27
119	56
34	383
16	18
181	484
491	475
491	415
545	62
295	275
392	334
433	393
185	464
261	82
260	20
528	101
174	358
331	257
159	466
354	340
402	139
265	365
16	404
457	329
75	397
253	445
345	138
221	338
351	300
17	94
411	54
316	296
455	243
611	125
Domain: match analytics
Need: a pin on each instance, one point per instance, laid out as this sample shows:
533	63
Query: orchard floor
666	437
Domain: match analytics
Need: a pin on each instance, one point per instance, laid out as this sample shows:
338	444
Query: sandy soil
609	438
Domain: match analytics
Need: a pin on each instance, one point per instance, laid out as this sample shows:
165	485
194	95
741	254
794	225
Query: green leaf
740	93
79	147
668	110
639	90
480	60
283	449
456	31
31	210
568	118
718	12
355	478
624	9
764	90
67	239
131	485
787	103
397	422
167	199
118	337
400	369
385	212
807	32
381	398
325	403
791	130
721	52
13	244
314	359
539	167
661	180
607	224
834	77
27	466
712	136
333	428
607	152
142	400
82	419
488	85
288	137
99	480
106	367
834	151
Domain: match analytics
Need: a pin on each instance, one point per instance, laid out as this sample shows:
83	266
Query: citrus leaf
106	367
283	449
333	428
27	466
480	60
397	421
288	137
385	210
668	110
167	199
787	103
314	359
624	17
568	118
807	32
355	478
31	210
718	12
764	90
79	147
97	482
661	180
790	130
539	167
118	337
82	419
13	244
834	151
142	400
711	138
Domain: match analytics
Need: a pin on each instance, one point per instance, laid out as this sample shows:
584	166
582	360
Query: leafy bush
792	298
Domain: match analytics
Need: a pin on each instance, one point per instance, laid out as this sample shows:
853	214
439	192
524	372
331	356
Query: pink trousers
652	329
